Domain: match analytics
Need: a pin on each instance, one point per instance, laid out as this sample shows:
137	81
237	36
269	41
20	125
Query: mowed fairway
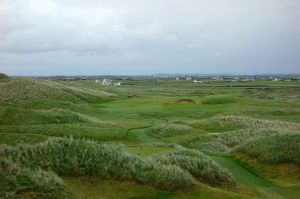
148	138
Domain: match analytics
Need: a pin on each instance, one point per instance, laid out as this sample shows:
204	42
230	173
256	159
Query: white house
117	83
195	81
188	78
106	82
97	81
177	79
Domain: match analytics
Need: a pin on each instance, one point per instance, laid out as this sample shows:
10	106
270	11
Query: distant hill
15	90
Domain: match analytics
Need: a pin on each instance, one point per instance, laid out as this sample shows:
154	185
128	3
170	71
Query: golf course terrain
149	138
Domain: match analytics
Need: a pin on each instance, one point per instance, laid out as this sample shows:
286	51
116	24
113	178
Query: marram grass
75	157
199	165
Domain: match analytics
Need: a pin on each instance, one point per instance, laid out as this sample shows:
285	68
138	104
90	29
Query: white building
97	81
117	83
195	81
106	82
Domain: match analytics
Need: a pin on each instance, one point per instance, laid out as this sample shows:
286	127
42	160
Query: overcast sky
69	37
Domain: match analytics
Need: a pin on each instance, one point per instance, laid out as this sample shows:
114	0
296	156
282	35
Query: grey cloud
131	36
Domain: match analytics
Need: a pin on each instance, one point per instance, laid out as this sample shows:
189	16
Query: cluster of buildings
107	82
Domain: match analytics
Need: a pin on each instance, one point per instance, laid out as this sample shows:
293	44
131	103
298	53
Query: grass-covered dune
14	90
278	149
199	165
3	76
168	129
246	130
30	183
76	157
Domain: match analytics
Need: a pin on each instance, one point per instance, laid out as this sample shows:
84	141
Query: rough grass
72	157
239	130
37	183
3	76
16	90
199	165
167	130
104	132
228	123
278	149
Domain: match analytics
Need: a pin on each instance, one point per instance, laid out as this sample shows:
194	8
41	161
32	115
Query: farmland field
149	138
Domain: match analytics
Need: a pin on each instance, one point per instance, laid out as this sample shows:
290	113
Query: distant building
195	81
275	79
177	79
117	84
97	81
106	82
188	78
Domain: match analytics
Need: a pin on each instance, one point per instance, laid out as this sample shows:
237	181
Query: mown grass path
247	177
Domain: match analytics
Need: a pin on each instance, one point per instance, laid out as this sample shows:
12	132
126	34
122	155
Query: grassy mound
167	130
248	129
3	76
199	165
225	142
36	183
72	157
279	149
16	90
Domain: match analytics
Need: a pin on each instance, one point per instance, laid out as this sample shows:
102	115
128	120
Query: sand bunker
186	101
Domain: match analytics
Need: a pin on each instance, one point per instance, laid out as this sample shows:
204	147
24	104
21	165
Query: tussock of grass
40	184
278	149
199	165
72	157
166	130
